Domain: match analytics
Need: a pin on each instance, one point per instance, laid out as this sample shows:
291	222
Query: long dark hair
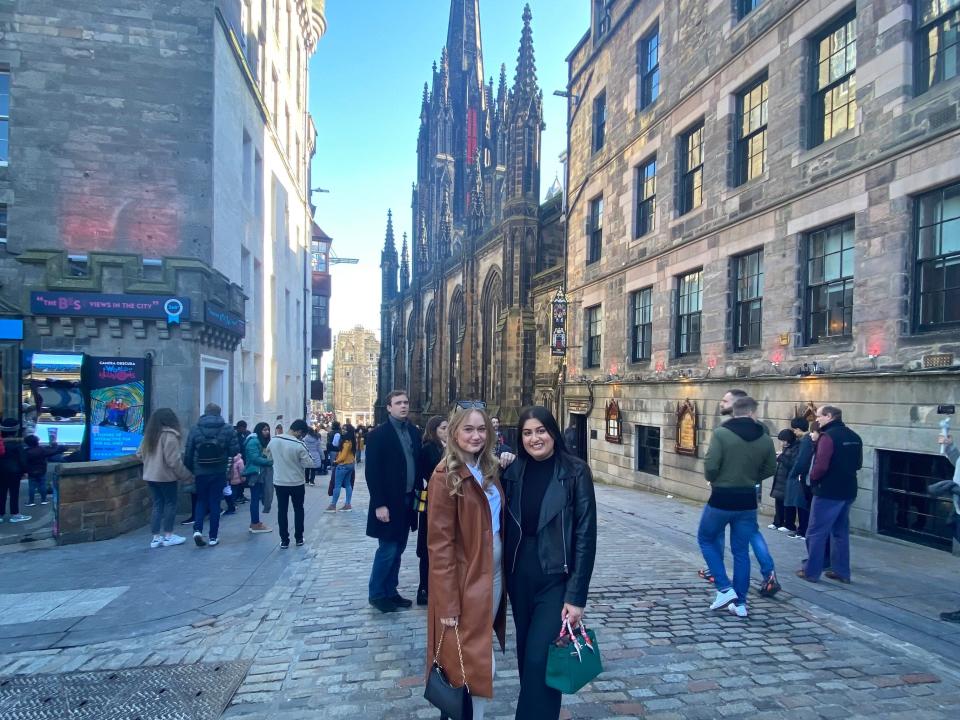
539	412
256	431
348	435
160	419
430	431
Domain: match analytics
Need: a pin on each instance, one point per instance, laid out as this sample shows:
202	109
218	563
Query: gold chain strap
436	658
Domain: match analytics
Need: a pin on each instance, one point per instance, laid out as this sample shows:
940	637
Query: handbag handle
436	657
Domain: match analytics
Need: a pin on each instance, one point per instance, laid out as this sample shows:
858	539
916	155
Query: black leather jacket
567	535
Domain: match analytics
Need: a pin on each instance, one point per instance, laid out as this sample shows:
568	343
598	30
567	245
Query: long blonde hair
454	457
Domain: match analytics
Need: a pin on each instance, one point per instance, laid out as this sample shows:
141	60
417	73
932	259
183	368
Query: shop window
647	448
905	509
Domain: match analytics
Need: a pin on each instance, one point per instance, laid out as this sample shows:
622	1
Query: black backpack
210	456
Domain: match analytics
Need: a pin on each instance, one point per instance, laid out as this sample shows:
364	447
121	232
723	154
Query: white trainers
771	526
724	598
738	610
156	542
173	540
198	539
19	518
783	529
213	541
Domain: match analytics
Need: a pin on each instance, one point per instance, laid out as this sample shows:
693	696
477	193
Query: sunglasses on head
471	404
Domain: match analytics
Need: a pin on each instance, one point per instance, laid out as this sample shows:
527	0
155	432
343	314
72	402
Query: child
37	467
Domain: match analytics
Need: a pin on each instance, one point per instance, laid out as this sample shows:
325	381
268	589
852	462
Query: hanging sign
558	341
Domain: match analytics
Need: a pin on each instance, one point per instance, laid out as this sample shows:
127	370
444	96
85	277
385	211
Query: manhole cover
173	692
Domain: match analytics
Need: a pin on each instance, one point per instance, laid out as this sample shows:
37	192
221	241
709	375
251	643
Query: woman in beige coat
163	468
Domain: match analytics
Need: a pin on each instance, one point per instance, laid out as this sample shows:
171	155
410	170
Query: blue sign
11	329
231	322
161	307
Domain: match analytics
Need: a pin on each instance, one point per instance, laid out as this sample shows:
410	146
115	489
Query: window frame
810	288
641	333
646	206
688	174
649	76
598	134
921	45
942	258
745	7
686	320
595	230
593	319
743	142
818	95
642	435
5	121
744	303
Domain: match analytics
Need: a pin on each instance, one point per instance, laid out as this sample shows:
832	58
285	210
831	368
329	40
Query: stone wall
100	500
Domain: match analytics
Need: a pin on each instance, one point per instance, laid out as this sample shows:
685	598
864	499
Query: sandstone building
355	355
765	194
457	315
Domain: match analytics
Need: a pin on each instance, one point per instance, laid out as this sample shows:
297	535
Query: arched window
399	371
490	353
410	356
430	333
457	326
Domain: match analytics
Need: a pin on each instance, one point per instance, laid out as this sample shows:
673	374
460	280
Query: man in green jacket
741	454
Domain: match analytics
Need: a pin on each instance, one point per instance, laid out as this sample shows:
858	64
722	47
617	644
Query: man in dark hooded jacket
211	446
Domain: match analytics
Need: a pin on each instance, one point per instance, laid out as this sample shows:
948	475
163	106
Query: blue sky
366	81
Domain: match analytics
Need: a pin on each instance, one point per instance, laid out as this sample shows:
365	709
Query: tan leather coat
460	546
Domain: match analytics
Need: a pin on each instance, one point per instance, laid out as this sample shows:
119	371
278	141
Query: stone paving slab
317	649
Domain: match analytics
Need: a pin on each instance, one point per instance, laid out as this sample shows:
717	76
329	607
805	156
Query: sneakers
156	542
331	508
285	545
346	508
31	505
953	617
44	502
769	588
792	534
198	539
260	528
20	517
705	574
224	513
299	543
213	541
173	540
783	528
771	526
836	576
188	521
738	610
723	599
798	536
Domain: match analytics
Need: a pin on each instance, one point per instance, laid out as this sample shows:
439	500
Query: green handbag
573	662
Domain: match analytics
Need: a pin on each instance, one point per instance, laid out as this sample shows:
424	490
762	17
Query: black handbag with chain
454	703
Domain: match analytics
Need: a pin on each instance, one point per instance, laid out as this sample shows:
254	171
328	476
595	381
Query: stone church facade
457	318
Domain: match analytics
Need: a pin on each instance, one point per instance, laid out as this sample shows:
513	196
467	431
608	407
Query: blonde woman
464	542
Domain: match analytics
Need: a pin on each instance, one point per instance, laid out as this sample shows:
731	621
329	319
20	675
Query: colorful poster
118	406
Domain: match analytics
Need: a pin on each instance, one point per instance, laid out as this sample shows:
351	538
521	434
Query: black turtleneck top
536	477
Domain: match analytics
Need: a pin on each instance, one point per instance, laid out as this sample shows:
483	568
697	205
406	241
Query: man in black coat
391	473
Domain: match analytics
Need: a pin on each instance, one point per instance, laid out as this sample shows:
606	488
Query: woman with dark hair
343	472
434	442
257	469
785	515
162	469
551	542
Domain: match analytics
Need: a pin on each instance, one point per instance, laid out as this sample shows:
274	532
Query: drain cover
199	691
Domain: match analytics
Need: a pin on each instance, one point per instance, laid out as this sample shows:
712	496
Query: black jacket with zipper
567	530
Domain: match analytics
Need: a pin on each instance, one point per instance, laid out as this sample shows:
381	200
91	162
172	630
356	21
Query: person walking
465	548
785	516
739	456
951	487
343	475
500	446
256	467
551	541
13	465
36	457
242	434
163	470
391	475
290	458
361	437
833	477
312	442
210	446
434	442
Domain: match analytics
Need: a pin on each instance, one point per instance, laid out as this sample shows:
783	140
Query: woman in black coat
551	543
785	516
434	442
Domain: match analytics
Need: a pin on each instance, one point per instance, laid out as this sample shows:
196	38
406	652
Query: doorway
214	383
580	431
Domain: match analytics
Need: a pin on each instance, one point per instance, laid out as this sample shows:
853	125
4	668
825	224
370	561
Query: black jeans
536	600
295	494
784	516
10	487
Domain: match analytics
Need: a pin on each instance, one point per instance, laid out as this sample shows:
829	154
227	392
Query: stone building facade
766	195
457	314
355	356
162	153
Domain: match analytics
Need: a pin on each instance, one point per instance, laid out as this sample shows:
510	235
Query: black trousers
537	601
294	494
784	516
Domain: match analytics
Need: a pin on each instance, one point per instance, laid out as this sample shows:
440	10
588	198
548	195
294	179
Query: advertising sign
118	406
231	322
161	307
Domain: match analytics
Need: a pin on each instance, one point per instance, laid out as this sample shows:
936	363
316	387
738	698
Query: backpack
210	456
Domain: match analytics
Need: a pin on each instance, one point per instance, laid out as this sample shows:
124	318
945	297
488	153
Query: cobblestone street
314	648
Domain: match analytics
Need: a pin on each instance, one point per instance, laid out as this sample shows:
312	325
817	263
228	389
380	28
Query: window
938	258
751	157
599	121
593	319
78	266
646	197
691	169
601	18
257	184
745	7
938	42
3	224
835	81
648	60
748	304
689	307
641	326
905	507
595	230
4	116
830	282
648	448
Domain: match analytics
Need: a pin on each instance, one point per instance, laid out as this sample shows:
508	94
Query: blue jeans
759	545
38	485
342	479
829	522
256	495
209	495
710	536
385	573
